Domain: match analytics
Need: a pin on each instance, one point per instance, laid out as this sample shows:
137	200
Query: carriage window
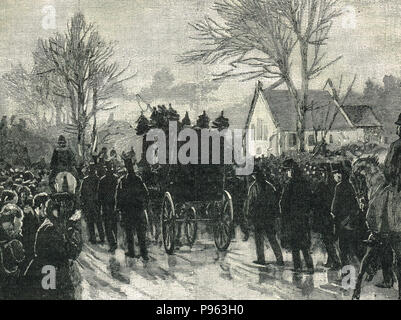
311	140
292	139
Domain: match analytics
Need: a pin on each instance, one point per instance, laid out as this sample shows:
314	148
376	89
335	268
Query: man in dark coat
295	207
101	160
33	218
264	211
132	198
344	210
58	243
90	205
385	234
107	194
323	221
11	252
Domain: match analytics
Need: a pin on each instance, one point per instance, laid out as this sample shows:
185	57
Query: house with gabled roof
272	119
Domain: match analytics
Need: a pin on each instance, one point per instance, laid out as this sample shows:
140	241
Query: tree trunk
301	131
94	134
303	96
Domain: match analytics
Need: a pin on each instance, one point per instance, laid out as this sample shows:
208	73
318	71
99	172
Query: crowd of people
354	207
329	206
41	214
41	211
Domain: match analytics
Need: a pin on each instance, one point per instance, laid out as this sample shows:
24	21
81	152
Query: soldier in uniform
132	199
90	205
295	207
264	212
107	194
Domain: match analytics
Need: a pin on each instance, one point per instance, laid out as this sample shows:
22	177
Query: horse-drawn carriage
188	194
196	193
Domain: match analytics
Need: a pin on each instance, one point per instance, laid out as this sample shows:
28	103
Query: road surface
202	272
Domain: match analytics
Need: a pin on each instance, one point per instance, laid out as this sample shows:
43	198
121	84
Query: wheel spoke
167	242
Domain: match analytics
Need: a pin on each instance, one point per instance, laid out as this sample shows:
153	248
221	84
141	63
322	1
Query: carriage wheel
191	226
224	222
168	223
249	203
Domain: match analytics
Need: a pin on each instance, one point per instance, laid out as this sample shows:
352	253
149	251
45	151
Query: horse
370	182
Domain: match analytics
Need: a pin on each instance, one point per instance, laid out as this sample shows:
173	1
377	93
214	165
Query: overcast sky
152	32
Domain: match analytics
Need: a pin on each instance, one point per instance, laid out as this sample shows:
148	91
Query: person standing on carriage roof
295	205
132	199
264	211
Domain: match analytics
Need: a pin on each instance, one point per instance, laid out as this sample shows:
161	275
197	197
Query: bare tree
79	68
339	101
262	36
34	97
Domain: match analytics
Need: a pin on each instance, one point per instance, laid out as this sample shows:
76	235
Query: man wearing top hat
90	204
344	210
295	207
264	211
323	221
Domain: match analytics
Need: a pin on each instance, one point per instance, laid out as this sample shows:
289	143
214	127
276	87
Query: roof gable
280	105
362	116
319	117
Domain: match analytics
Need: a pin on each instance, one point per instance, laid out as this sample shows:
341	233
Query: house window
259	129
253	131
292	139
265	132
259	150
311	140
331	139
